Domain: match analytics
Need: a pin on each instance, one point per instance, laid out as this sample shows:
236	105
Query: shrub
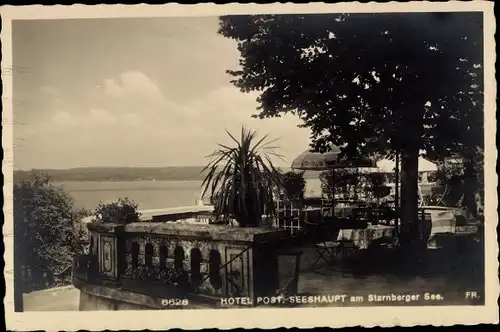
343	181
376	185
123	211
294	186
48	233
173	276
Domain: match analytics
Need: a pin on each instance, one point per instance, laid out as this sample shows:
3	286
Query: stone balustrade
169	254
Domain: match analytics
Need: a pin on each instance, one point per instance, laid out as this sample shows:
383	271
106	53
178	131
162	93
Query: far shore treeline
169	173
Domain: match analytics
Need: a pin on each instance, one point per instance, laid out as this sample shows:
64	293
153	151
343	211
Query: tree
409	82
47	234
345	181
294	186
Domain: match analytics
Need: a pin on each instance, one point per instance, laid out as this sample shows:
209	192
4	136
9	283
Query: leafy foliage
47	232
409	82
176	277
405	79
294	186
241	178
342	182
351	183
377	184
123	211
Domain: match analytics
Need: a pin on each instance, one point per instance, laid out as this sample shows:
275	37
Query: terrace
181	255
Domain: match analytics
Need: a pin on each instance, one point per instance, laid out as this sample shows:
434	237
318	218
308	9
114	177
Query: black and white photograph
231	159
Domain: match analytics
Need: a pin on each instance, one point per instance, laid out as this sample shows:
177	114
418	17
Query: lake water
148	194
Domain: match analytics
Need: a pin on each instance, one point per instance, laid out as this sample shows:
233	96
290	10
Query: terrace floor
447	274
449	278
53	299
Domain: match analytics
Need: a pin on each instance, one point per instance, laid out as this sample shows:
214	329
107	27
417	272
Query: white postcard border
254	318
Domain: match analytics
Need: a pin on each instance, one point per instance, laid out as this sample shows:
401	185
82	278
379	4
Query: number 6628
174	302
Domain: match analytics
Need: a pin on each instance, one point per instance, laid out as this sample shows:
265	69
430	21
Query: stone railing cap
203	231
105	227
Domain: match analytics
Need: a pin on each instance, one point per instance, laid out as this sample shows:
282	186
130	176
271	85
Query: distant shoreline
141	180
128	174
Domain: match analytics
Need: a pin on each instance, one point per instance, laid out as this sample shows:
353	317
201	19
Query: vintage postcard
254	166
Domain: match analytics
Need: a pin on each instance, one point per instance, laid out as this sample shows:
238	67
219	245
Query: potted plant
123	211
241	179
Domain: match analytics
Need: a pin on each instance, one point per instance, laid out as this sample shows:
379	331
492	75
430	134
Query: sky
131	92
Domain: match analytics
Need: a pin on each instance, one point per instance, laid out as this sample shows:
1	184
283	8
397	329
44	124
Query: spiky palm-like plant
241	179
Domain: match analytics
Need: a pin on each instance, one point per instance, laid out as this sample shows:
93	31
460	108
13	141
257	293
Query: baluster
196	259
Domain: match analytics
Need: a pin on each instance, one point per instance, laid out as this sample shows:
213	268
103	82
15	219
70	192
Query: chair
328	250
361	213
358	220
326	207
347	248
382	215
325	248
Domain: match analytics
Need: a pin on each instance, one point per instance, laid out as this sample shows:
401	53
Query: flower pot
248	221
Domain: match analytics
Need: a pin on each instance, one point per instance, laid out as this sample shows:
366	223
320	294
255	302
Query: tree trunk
397	203
18	299
470	187
410	235
19	266
18	288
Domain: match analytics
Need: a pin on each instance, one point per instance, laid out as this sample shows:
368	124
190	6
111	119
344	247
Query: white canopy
387	166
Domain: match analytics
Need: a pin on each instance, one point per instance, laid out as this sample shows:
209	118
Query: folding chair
381	215
358	220
326	249
327	207
347	248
